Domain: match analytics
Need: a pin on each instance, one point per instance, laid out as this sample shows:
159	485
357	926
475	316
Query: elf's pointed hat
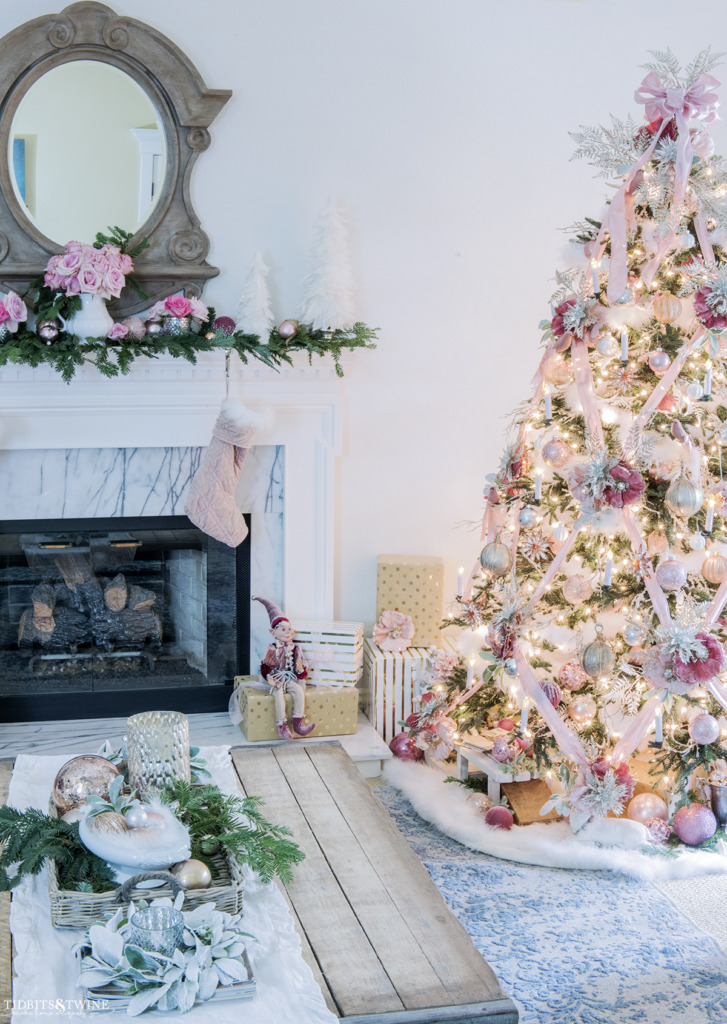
274	612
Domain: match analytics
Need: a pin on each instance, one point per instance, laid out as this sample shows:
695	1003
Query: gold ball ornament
209	335
647	805
597	658
683	498
556	453
81	777
109	823
582	709
192	874
667	308
576	589
496	558
671	575
288	329
714	568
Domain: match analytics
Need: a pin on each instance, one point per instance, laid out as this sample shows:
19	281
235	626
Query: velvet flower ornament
626	487
705	661
394	631
179	306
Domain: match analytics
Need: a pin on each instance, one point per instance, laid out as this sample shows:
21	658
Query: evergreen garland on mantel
68	353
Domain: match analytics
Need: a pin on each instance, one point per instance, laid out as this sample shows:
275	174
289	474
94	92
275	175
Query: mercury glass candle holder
157	929
157	746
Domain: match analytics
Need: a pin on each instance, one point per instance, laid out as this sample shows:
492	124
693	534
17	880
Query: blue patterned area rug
574	947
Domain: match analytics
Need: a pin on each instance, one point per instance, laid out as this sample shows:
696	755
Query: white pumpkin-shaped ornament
597	658
683	498
496	557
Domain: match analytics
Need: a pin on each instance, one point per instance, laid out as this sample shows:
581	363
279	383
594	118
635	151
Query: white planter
93	319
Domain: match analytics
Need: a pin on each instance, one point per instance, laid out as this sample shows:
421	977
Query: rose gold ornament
576	589
672	575
559	372
647	805
192	874
667	308
80	778
481	801
288	329
582	708
657	542
714	568
571	676
704	729
659	362
556	453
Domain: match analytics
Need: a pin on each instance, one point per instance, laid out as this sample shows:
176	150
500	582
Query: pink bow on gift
699	101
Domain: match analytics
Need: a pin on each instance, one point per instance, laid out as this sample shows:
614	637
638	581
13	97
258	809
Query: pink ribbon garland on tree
651	403
636	731
586	391
653	587
567	741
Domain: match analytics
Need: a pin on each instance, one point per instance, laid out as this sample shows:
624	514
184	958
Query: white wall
442	125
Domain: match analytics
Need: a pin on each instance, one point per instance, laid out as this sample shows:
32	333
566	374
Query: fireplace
111	616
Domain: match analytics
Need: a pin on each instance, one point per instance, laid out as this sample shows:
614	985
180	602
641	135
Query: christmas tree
595	606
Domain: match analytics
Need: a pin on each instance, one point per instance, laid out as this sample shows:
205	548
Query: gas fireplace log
64	630
140	599
44	601
74	568
128	627
116	593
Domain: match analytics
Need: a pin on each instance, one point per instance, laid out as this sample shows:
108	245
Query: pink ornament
572	676
672	575
695	825
576	589
481	801
646	806
506	723
659	362
659	831
704	666
224	323
551	691
582	708
556	453
499	817
394	631
668	404
704	729
405	748
501	752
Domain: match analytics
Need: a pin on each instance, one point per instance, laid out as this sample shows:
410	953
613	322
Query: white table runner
45	986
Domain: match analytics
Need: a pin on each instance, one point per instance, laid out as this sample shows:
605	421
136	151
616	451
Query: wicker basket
82	909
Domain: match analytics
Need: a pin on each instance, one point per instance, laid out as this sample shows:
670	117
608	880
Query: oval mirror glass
86	152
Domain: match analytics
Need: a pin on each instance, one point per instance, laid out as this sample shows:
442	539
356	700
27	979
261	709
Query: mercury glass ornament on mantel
157	746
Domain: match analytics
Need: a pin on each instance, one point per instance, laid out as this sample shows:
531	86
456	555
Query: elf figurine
284	669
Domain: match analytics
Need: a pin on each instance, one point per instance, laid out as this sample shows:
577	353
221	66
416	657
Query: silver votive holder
157	748
157	930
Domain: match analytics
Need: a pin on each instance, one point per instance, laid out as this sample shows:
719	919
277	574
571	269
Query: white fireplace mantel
168	402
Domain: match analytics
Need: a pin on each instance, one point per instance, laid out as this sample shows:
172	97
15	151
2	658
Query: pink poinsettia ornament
394	631
601	766
709	311
704	665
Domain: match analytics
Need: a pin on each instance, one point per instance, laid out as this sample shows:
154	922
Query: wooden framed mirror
101	120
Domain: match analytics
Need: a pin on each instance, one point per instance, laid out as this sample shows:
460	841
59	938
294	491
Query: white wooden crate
333	651
390	684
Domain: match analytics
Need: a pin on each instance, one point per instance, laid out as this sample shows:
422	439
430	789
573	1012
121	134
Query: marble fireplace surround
170	404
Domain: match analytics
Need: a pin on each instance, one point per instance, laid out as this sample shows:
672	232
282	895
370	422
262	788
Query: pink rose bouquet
85	270
179	307
12	312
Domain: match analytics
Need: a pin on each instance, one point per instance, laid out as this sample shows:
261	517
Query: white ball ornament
659	362
645	806
607	346
511	667
683	498
136	816
192	874
704	729
633	634
697	542
695	390
527	517
576	589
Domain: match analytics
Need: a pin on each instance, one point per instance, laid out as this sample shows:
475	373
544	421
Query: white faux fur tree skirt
613	845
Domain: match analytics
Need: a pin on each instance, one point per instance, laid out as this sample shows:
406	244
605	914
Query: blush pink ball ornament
659	362
582	709
672	575
576	589
704	729
406	749
551	691
668	404
645	806
506	723
556	453
572	676
481	801
695	825
499	817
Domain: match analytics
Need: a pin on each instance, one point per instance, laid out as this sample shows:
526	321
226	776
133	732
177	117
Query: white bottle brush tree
328	289
598	594
254	313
